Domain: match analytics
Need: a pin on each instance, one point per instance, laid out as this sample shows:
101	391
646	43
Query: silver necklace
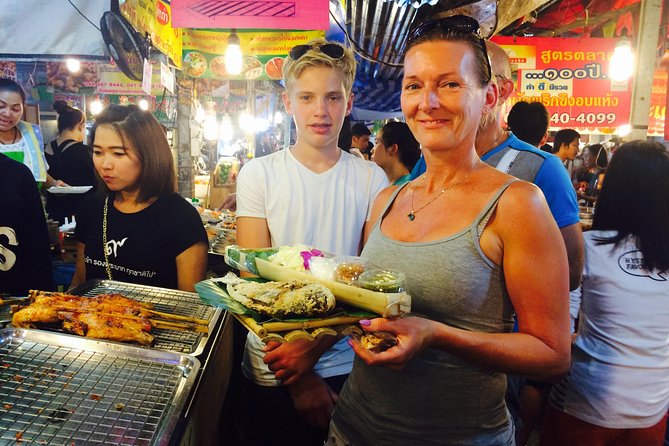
104	237
412	215
497	142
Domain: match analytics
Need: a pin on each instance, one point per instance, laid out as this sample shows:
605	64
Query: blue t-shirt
538	167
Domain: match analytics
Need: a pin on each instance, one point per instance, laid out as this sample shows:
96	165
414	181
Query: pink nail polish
365	323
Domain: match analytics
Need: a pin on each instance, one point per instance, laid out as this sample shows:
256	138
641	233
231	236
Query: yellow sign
112	81
204	50
154	17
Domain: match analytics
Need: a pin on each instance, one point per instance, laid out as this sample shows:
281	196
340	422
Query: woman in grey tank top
476	247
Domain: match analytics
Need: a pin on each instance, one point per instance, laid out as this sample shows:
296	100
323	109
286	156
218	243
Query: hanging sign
166	77
570	77
256	14
112	81
204	52
154	17
658	107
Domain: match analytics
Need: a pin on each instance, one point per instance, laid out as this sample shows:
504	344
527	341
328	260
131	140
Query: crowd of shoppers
482	249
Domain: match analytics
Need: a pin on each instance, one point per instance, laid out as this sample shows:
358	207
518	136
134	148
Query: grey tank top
437	398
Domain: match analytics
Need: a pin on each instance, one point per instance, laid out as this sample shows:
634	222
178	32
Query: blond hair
346	65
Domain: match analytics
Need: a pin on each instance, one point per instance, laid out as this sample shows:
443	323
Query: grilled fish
281	299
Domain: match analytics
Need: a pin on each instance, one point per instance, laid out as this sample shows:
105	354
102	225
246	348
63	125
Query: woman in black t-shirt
69	161
150	234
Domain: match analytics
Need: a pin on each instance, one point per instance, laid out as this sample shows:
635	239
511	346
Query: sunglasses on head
457	24
332	50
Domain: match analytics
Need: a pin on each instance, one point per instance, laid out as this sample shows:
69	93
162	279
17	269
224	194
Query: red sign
570	77
162	13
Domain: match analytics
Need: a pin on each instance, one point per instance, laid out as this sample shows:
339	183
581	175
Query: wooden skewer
179	326
13	300
156	323
179	317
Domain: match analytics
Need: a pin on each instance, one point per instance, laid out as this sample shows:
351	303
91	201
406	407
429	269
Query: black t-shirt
74	166
142	246
25	253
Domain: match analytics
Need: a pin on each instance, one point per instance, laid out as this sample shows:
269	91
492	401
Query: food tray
58	389
291	331
384	304
166	300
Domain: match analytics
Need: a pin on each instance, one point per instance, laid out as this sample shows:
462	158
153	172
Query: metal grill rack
165	300
58	389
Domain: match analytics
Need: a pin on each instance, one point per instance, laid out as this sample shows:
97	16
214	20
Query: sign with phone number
570	77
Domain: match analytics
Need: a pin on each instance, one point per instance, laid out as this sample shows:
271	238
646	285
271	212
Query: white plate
69	189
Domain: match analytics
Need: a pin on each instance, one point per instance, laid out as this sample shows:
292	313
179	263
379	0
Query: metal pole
184	158
646	50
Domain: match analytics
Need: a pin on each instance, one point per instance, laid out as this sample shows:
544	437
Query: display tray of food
280	311
59	389
352	280
178	320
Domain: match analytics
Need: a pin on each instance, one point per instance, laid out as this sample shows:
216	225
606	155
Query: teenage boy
312	193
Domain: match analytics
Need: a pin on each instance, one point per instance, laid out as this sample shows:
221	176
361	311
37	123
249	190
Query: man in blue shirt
501	149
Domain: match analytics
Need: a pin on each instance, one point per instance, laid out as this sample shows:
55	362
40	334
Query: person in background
137	229
475	244
316	194
617	391
360	136
20	140
396	151
25	253
70	162
529	122
565	145
507	153
264	144
587	179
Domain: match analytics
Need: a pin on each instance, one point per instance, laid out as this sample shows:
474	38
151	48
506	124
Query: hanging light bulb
247	122
96	107
73	65
621	66
226	131
210	128
233	54
624	130
143	104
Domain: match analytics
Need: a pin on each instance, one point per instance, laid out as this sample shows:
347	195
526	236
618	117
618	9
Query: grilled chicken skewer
110	316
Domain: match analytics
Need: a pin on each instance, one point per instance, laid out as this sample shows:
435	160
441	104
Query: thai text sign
204	52
570	77
658	104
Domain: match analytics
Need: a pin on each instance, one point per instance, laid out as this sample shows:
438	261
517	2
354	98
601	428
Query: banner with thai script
256	14
570	77
204	52
155	18
658	106
111	80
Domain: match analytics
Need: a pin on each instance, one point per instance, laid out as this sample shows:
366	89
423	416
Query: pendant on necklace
411	216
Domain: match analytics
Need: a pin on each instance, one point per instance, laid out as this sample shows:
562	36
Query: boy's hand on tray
412	336
293	361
